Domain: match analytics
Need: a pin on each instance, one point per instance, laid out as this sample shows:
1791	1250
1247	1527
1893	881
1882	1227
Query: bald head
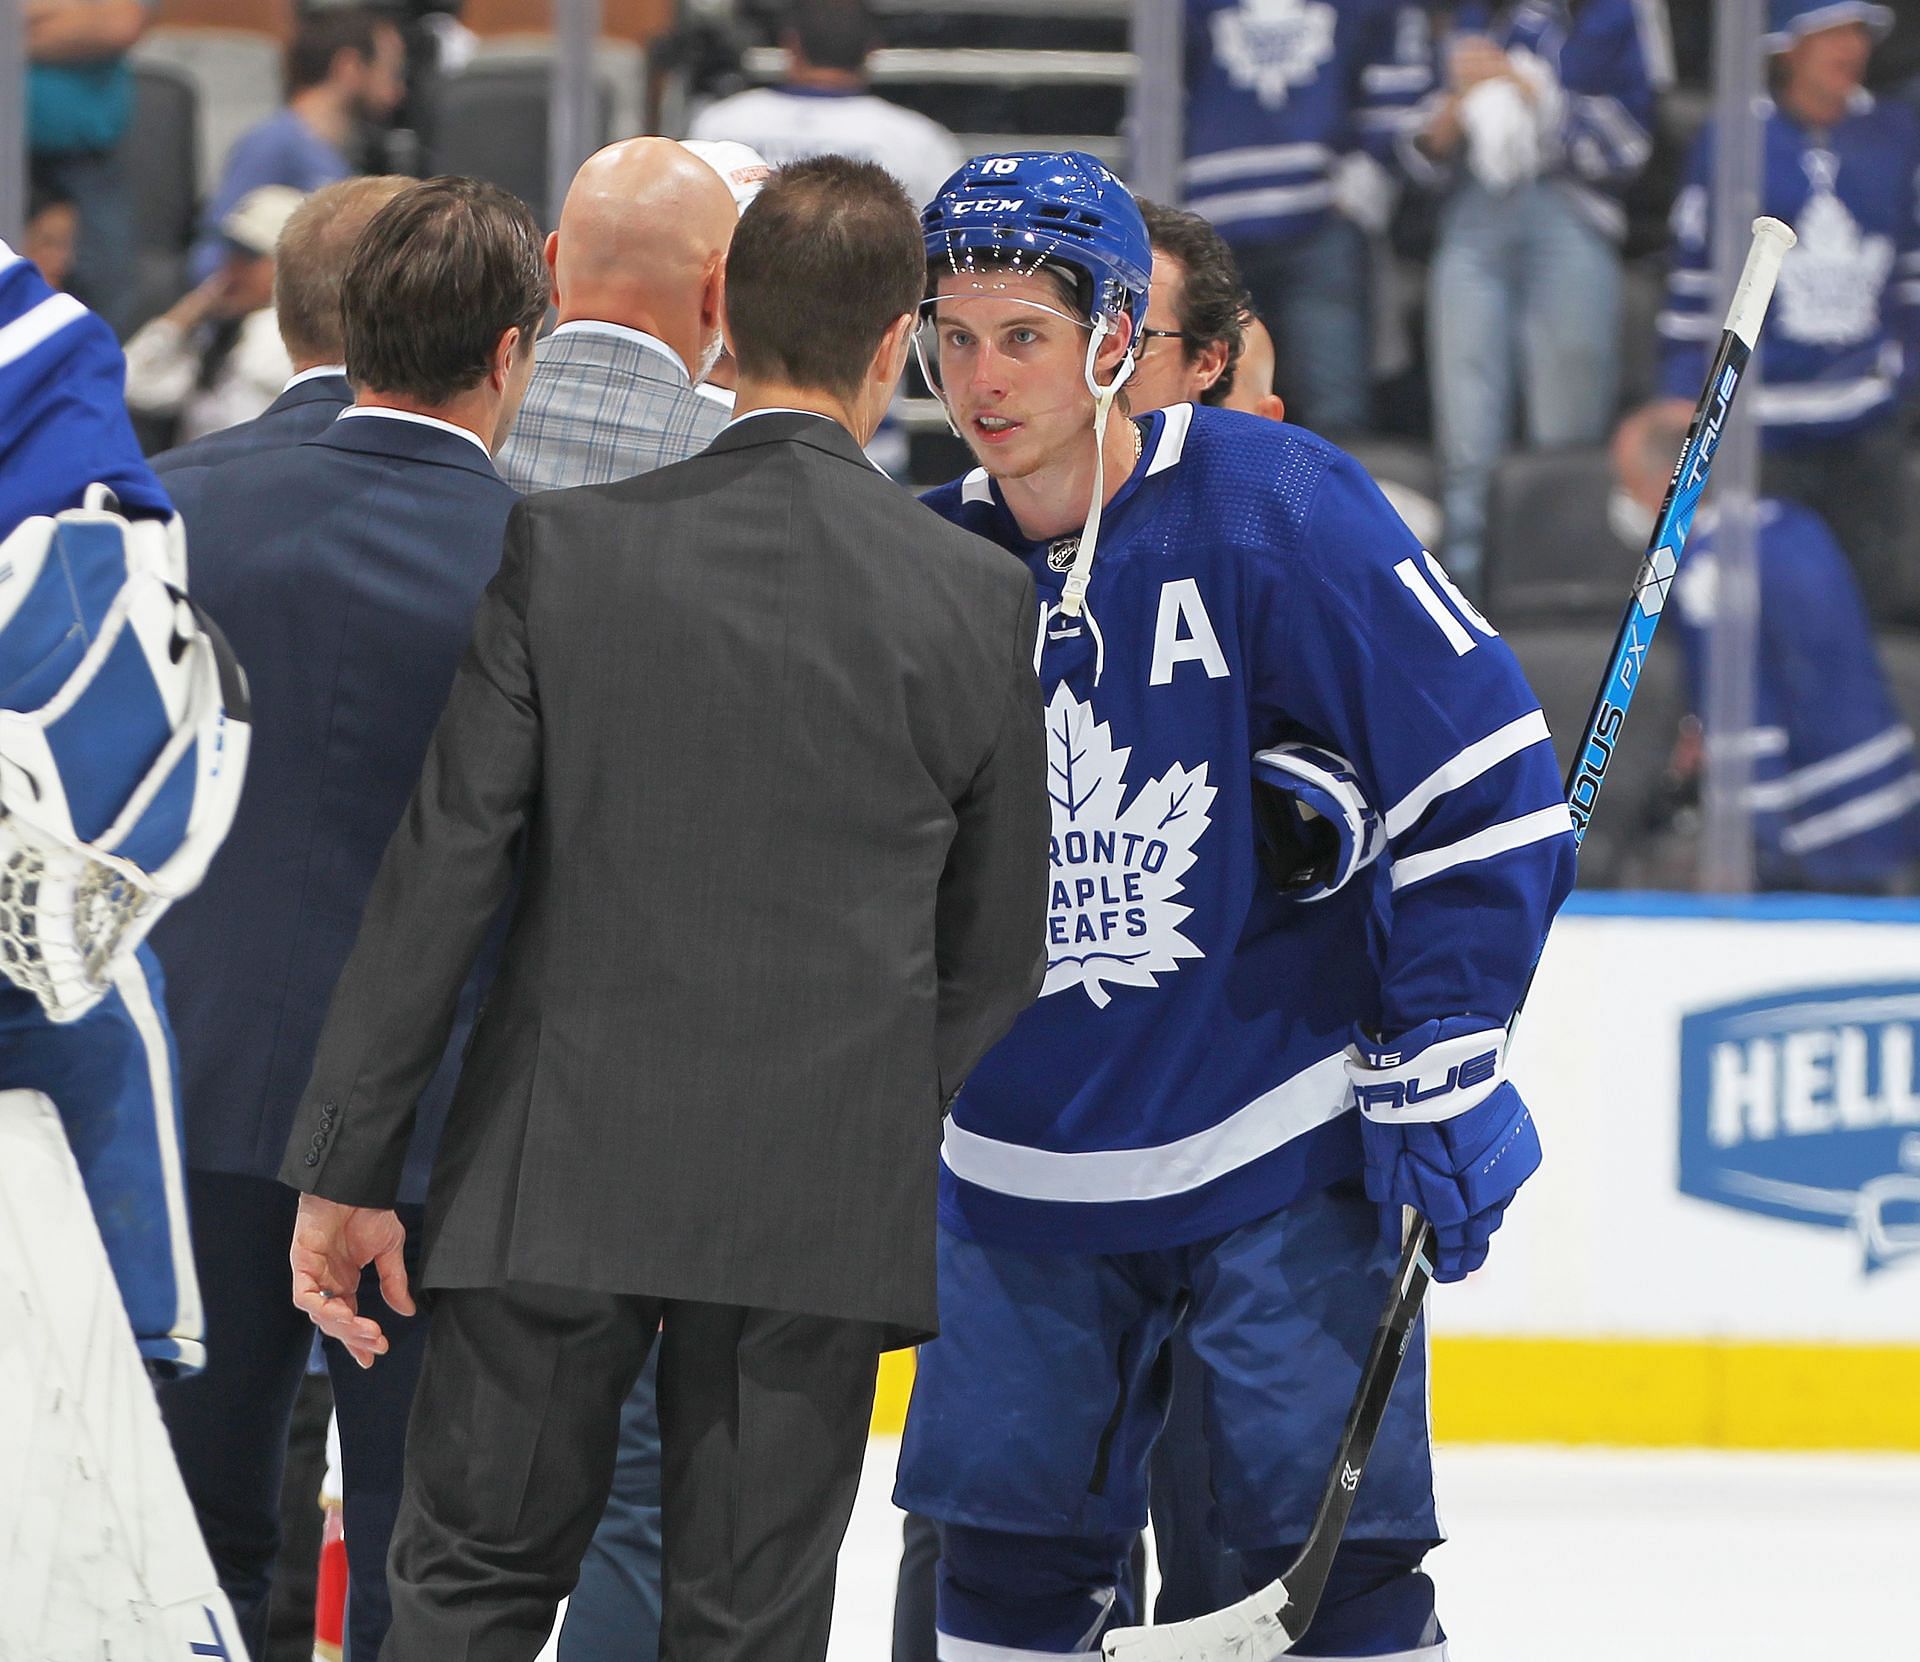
1252	388
1645	446
643	243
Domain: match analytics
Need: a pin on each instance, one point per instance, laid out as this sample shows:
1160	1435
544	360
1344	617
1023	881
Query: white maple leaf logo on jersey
1832	279
1114	914
1273	46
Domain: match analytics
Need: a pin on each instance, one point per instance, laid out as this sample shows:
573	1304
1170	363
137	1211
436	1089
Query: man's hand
332	1244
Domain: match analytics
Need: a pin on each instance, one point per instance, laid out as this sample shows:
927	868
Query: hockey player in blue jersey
122	744
1167	1137
1841	348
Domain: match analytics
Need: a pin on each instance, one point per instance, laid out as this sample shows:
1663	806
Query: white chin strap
1073	597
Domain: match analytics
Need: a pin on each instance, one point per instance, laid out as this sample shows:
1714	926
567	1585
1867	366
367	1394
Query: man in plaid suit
638	268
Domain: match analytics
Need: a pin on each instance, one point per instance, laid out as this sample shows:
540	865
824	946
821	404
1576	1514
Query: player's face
1012	367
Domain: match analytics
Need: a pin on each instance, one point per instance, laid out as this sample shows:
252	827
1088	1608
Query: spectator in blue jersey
344	67
1545	119
1293	113
1834	793
79	101
1841	344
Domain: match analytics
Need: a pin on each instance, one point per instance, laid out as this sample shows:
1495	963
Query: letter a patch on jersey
1114	914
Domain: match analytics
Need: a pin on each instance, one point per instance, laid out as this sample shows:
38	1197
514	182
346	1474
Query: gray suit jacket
773	730
599	408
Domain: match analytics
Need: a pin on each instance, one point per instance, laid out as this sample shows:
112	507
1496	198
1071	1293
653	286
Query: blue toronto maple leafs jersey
63	412
1182	1071
1841	343
1276	93
1610	58
1834	791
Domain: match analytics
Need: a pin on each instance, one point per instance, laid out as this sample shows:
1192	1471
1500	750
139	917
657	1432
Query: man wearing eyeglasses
1191	344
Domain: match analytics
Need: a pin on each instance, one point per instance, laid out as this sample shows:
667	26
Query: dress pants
229	1424
511	1455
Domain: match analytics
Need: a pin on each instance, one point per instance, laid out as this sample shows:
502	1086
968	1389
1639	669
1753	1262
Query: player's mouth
994	429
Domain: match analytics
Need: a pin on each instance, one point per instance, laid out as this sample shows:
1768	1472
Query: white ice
1586	1555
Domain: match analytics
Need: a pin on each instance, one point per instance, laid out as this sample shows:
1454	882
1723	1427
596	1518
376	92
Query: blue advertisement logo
1805	1105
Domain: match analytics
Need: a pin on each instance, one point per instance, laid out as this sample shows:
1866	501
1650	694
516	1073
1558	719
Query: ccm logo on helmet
1476	1070
988	205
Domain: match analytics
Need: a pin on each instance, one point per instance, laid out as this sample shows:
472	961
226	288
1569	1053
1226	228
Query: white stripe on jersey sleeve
1479	757
36	325
1852	763
1503	838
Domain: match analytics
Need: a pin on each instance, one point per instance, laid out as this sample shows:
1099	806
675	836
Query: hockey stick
1270	1622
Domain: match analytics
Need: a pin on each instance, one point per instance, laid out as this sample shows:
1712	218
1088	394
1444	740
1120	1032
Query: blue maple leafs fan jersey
1182	1071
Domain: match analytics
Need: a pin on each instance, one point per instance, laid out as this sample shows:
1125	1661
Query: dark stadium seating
491	123
1549	550
163	179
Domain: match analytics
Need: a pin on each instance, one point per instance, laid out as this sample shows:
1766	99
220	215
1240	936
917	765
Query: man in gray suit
773	737
638	265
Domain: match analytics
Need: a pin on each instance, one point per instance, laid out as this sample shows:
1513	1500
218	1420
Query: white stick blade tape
1754	292
1249	1631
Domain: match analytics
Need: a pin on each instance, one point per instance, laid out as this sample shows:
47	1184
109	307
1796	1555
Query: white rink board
1602	1242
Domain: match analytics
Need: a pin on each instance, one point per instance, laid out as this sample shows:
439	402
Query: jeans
1524	298
614	1613
103	261
1314	294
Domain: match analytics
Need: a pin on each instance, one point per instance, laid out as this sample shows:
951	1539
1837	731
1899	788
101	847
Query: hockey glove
1443	1132
1317	829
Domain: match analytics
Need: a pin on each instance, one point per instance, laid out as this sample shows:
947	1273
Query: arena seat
163	180
491	122
1549	549
236	71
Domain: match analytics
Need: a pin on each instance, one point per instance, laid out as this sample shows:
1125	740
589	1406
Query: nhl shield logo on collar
1060	553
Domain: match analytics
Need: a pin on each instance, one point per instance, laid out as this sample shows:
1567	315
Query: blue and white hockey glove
1443	1132
1317	828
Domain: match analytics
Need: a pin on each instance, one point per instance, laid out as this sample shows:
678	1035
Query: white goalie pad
123	746
100	1555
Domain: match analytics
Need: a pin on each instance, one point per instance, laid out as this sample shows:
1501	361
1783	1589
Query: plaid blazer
601	408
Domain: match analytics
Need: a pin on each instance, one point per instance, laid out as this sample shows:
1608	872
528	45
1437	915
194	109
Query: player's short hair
435	279
311	262
321	35
833	34
1212	301
826	257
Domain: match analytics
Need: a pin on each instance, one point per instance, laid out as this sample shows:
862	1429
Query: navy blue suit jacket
300	413
345	572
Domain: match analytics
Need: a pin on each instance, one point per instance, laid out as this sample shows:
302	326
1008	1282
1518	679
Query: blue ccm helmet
1045	207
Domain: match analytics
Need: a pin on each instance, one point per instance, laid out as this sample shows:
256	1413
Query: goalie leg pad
114	1077
99	1555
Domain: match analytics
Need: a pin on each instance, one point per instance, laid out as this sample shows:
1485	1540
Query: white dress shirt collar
414	416
619	331
315	374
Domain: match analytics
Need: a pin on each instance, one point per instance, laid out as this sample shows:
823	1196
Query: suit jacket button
313	1159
